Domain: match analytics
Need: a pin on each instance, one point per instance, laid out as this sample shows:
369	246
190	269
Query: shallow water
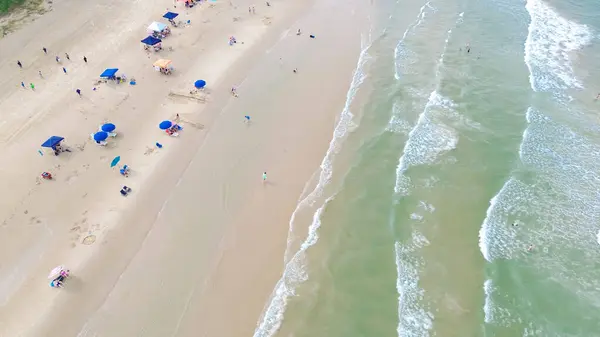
461	197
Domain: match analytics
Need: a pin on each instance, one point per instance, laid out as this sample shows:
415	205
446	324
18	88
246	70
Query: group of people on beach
58	61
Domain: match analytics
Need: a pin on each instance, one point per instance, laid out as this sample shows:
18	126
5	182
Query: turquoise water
459	196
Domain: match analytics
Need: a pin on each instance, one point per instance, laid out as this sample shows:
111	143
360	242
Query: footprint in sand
72	177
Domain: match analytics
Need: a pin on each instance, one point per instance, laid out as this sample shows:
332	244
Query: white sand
196	248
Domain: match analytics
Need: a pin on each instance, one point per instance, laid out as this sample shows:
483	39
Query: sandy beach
197	247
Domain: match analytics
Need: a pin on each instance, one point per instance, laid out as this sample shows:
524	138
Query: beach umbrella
165	125
100	136
115	161
199	84
55	272
108	127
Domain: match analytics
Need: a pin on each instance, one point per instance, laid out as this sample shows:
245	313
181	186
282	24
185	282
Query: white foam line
294	273
339	133
412	320
485	227
488	289
549	40
402	165
410	28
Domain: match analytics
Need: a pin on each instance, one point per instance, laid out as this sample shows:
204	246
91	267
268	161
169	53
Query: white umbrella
55	272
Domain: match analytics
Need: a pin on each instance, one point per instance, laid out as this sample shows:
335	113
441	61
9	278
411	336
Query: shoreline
92	288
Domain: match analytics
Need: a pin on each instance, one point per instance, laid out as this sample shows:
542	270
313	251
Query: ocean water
460	193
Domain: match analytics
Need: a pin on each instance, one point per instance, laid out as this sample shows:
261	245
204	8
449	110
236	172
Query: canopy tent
109	73
157	26
162	63
56	272
100	136
108	127
165	125
52	141
199	84
151	41
170	15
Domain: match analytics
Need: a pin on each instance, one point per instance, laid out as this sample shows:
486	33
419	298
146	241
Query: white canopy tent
157	26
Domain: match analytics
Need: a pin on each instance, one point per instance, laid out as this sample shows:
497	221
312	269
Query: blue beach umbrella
115	161
165	125
199	84
100	136
108	127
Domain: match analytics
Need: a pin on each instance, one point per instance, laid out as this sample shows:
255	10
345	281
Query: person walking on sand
67	56
295	70
45	50
85	59
78	91
264	176
253	10
247	119
23	84
65	70
32	86
57	59
40	73
19	64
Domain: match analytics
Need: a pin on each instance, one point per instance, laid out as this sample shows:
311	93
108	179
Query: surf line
409	293
294	270
410	28
402	164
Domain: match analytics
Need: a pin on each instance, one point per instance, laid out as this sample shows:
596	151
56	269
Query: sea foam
550	40
400	52
294	264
